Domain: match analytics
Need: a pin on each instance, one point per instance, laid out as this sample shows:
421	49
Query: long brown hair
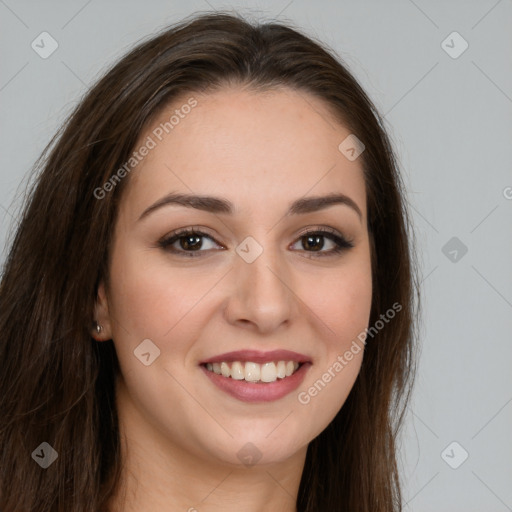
57	383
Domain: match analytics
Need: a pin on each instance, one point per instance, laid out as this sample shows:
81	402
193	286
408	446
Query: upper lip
256	356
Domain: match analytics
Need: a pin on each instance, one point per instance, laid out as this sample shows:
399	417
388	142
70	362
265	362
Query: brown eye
186	242
314	242
190	242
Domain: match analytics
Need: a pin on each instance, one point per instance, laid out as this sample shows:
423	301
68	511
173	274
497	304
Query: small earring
98	328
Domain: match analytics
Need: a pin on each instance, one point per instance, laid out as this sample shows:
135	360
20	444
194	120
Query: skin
261	151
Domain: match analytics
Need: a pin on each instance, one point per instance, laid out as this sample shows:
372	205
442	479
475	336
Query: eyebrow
218	205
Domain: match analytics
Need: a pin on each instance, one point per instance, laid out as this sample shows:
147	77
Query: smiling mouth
254	372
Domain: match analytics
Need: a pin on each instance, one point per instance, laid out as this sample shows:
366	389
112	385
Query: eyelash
341	242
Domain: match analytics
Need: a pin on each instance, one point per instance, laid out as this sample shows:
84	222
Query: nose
262	297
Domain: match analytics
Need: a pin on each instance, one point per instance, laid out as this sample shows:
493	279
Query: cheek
345	311
344	308
148	298
343	303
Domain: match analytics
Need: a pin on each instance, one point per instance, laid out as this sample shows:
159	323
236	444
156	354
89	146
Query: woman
209	300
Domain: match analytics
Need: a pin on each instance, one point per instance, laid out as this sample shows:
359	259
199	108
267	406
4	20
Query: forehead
259	149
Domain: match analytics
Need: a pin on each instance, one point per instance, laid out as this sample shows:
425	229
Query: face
233	318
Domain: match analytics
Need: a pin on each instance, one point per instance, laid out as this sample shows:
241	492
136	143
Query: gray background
451	122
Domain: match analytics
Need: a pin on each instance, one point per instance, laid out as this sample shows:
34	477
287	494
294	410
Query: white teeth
224	369
268	372
237	371
254	372
281	370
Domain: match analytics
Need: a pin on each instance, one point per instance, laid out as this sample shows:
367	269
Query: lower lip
258	392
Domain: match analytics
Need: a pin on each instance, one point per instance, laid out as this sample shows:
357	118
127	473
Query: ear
101	316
